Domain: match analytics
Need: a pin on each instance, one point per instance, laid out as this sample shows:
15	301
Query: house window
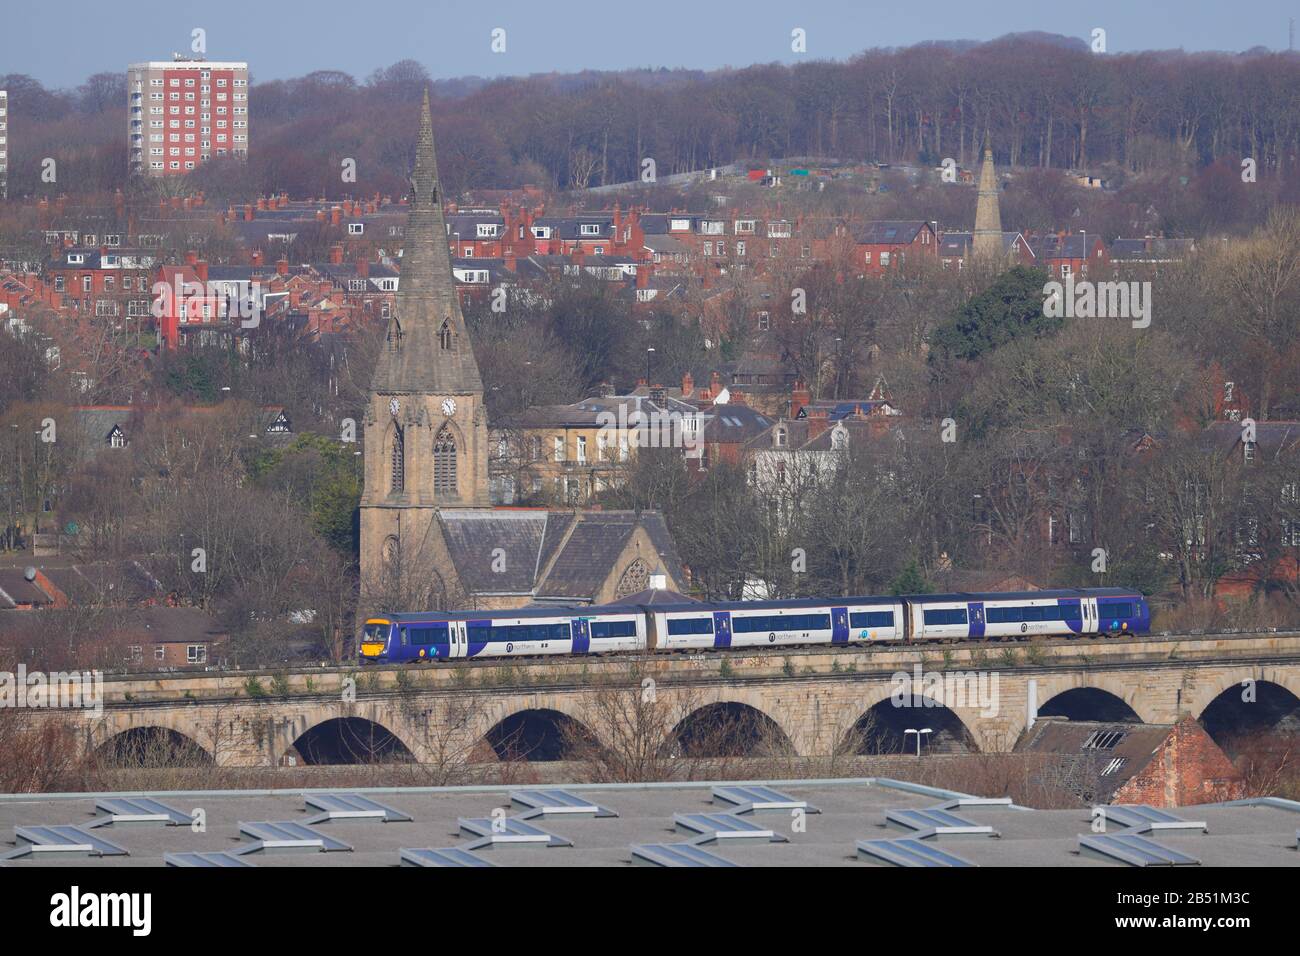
160	652
559	448
196	653
582	448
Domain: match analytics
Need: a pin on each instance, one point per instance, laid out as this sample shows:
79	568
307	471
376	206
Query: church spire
427	349
987	240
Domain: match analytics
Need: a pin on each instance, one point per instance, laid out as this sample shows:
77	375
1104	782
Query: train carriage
774	623
995	616
447	635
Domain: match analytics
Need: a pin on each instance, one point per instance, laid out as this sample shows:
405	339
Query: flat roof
838	815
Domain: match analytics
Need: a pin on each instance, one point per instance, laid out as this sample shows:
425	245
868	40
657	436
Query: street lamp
923	730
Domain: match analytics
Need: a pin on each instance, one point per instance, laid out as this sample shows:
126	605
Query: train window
690	625
1003	615
429	634
1070	612
862	619
480	633
938	616
1113	611
749	625
613	628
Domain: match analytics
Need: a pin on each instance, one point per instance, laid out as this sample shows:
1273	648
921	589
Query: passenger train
611	628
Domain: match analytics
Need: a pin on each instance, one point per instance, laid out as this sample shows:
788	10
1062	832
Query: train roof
603	610
519	612
1022	595
711	606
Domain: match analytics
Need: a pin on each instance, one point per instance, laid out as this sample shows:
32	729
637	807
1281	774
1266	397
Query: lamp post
923	730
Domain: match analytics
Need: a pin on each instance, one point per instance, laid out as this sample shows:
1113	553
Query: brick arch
976	727
1128	687
766	701
283	742
1227	678
103	736
561	704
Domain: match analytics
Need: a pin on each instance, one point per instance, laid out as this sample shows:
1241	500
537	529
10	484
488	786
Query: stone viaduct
812	698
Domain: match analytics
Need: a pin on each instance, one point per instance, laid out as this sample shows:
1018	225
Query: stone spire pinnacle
987	240
427	349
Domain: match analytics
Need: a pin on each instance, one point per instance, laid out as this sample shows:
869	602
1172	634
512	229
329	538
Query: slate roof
1272	439
888	231
16	590
1136	746
548	554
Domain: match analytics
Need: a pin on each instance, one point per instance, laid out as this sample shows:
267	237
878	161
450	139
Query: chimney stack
282	267
800	397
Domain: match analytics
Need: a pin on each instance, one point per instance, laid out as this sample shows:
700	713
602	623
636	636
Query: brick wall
1188	768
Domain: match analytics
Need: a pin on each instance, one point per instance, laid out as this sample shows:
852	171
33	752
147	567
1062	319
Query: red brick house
888	244
1161	765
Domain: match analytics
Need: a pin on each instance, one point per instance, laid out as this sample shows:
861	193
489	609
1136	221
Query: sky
62	44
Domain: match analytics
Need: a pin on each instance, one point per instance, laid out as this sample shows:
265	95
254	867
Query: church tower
987	240
426	435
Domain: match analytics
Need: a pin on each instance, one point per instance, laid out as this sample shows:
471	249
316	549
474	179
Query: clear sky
62	43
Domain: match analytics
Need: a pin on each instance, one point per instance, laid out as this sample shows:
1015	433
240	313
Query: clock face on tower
394	406
449	407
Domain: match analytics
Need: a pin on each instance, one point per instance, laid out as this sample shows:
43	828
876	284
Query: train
695	626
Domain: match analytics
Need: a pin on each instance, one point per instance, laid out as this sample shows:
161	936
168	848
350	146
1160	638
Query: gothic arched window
397	480
444	335
394	337
444	463
635	578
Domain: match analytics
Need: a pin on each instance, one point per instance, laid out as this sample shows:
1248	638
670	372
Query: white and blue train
613	628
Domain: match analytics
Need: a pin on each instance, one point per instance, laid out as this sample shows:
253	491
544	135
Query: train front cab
374	640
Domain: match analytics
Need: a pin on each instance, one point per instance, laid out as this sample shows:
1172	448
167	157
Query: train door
975	615
721	628
839	625
1089	613
581	635
459	641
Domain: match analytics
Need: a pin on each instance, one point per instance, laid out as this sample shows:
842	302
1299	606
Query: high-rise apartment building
4	145
183	112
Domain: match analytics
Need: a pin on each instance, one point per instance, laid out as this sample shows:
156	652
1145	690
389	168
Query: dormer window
778	438
1248	450
444	335
839	438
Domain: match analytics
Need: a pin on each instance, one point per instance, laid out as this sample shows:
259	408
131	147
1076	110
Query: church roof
419	358
548	554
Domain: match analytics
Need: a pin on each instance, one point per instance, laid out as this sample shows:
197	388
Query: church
430	539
